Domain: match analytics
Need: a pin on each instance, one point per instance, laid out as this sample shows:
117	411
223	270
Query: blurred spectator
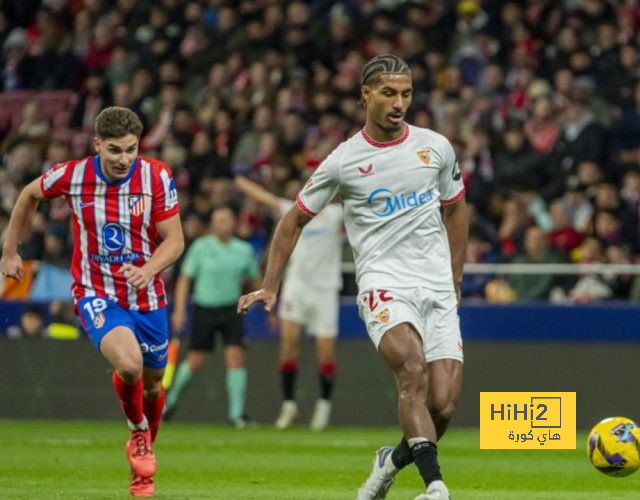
591	286
54	64
63	321
536	251
94	97
563	235
582	138
517	167
541	130
15	61
30	326
619	283
33	128
479	251
248	143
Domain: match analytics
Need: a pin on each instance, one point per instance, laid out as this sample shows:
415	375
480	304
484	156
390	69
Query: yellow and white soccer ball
613	446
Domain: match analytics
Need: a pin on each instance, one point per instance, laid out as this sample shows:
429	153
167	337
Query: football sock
180	381
425	456
288	374
327	377
130	396
401	454
153	412
236	391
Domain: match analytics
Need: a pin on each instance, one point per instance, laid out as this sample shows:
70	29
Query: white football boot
437	490
321	415
288	414
381	478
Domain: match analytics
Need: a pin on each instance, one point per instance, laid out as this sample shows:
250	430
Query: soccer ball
613	446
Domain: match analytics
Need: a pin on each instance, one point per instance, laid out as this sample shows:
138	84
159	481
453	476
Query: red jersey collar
377	144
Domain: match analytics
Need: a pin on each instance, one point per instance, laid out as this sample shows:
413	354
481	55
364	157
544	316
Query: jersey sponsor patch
170	193
456	174
113	236
52	176
383	202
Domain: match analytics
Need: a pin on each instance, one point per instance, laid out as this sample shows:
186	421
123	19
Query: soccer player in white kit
393	179
309	299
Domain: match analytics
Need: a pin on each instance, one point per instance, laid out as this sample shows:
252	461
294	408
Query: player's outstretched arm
168	251
258	193
456	220
284	241
23	210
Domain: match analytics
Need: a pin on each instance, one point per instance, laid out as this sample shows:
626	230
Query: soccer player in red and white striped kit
121	204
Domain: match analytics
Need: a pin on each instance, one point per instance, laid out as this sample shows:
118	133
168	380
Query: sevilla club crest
424	155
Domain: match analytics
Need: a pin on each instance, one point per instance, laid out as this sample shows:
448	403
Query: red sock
153	412
130	396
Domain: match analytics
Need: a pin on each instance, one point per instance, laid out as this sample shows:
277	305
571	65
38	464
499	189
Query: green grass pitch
85	460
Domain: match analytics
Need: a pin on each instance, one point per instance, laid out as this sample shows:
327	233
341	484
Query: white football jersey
318	254
391	194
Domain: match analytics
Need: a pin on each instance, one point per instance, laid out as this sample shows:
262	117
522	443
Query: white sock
142	426
414	441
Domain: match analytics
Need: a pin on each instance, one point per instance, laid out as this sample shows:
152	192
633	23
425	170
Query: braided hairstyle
379	65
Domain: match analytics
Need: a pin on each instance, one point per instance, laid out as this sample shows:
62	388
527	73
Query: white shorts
314	308
434	315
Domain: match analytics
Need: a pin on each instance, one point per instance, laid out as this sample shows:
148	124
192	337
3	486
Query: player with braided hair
407	222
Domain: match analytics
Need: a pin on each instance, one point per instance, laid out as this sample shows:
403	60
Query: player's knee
129	369
411	376
129	372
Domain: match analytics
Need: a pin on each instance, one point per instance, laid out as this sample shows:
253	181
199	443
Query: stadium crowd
540	98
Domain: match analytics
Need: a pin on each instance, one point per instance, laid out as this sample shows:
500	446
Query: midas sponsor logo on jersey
383	202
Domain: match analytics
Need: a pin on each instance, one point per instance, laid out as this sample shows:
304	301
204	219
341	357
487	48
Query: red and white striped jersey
114	223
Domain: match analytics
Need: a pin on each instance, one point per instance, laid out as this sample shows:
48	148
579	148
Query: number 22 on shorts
373	298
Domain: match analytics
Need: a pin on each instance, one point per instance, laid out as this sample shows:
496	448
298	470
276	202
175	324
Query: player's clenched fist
267	297
11	266
138	277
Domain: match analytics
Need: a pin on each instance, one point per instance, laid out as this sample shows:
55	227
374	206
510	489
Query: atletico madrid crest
424	155
99	320
136	204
